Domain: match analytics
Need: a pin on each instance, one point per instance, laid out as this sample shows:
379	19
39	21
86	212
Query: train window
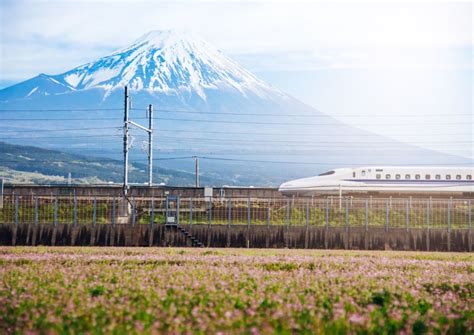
458	177
417	176
468	177
363	172
327	173
387	176
407	176
448	177
378	176
438	176
397	176
427	177
353	174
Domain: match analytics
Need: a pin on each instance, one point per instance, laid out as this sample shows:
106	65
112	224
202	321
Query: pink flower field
51	290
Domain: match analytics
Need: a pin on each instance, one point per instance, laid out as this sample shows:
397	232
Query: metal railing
331	212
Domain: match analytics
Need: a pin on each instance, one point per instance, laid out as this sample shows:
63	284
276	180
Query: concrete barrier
239	236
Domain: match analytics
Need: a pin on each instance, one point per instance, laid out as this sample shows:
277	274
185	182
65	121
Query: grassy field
179	290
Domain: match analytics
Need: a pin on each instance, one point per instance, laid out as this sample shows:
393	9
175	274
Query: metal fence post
449	214
56	211
307	213
133	212
75	210
469	215
287	211
191	211
94	212
407	215
36	210
177	210
366	214
327	213
268	214
17	205
229	211
248	211
248	221
152	214
209	215
113	211
387	214
428	207
347	214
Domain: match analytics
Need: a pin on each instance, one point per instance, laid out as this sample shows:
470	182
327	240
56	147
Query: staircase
194	241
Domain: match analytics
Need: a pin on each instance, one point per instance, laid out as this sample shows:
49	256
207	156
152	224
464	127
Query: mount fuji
205	104
166	63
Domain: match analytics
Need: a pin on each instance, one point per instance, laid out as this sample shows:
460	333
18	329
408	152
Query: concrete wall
239	236
139	191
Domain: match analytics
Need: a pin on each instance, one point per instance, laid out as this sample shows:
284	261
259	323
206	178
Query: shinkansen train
385	179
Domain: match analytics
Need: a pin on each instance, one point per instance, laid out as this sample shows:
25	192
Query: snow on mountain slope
37	86
168	62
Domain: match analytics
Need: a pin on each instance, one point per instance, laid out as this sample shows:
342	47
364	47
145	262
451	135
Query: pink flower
357	318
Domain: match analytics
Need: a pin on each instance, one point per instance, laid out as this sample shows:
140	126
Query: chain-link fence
330	212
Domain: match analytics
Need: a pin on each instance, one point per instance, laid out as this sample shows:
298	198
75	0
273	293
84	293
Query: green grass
234	291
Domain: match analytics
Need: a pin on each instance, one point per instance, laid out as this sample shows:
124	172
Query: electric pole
196	160
126	124
150	145
125	143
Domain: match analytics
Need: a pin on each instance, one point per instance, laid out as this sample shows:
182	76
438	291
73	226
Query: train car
385	179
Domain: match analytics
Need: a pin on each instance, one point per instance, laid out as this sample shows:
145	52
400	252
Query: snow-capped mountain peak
169	62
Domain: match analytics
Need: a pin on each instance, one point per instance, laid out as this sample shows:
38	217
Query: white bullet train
385	179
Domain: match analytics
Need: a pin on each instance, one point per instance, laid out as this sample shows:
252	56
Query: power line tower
125	143
126	124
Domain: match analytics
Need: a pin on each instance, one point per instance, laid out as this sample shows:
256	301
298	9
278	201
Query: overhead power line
62	110
300	115
174	131
244	141
235	122
56	130
232	113
228	159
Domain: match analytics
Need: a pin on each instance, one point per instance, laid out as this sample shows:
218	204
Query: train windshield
327	173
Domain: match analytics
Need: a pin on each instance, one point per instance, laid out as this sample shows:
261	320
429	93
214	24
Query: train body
385	179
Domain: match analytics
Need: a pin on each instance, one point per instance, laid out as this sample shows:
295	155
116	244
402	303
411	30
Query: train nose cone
284	187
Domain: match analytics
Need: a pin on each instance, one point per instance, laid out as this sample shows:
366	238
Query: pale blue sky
370	62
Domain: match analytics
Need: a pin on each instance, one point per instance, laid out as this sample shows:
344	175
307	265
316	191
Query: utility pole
126	124
125	143
150	145
196	161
